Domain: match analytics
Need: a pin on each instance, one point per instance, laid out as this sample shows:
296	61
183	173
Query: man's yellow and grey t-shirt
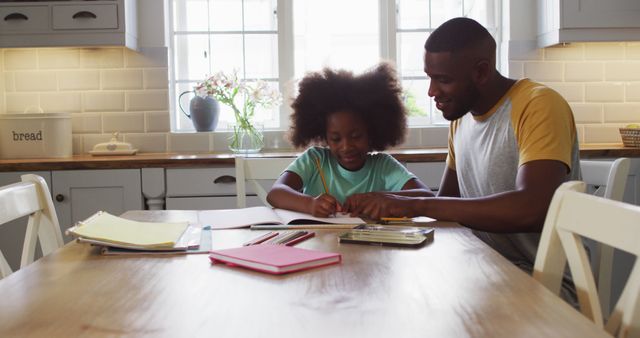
530	122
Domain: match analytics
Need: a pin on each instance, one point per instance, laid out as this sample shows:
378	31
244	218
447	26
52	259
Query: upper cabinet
68	23
587	20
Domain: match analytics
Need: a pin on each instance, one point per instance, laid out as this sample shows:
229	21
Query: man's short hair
457	34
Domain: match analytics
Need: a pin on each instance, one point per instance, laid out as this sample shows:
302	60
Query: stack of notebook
118	235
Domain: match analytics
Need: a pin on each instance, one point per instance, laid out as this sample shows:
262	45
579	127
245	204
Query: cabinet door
12	233
78	194
600	14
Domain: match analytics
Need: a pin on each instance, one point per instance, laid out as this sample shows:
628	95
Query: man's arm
521	210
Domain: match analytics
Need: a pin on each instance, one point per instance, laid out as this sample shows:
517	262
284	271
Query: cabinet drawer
85	16
28	19
202	182
208	203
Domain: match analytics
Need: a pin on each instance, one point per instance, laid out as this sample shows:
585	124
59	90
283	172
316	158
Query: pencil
300	238
324	183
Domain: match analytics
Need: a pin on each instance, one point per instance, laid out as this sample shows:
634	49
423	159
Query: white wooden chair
573	215
30	197
606	179
251	169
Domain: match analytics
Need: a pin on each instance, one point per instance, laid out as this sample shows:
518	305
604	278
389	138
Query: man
511	144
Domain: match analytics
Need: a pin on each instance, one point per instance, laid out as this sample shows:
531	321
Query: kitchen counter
191	160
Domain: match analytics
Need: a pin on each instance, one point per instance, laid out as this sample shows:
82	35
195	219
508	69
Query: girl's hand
324	205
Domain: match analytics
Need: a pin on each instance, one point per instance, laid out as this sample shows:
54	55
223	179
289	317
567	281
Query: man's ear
481	72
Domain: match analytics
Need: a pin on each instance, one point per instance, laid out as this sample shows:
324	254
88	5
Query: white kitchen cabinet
69	23
587	20
430	173
204	188
78	194
12	233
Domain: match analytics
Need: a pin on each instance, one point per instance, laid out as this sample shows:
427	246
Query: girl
351	116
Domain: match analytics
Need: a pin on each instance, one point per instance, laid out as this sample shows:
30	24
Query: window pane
415	97
325	36
226	53
410	53
226	15
190	15
443	10
260	15
413	14
191	56
262	56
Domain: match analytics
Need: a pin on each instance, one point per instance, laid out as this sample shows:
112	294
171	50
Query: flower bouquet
243	97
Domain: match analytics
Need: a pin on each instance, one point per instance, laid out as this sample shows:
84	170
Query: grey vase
203	112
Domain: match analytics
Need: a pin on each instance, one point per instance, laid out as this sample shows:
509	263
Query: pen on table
261	238
324	182
300	238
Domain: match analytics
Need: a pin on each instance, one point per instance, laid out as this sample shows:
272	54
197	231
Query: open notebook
244	217
105	229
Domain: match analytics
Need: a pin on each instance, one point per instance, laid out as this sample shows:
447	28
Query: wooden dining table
454	286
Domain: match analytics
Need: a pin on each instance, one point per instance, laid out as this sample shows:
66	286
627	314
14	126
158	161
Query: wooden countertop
191	160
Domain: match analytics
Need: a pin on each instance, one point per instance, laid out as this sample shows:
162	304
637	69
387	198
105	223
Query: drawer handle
59	197
84	15
225	179
16	16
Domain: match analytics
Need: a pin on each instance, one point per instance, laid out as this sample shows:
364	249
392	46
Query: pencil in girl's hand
324	182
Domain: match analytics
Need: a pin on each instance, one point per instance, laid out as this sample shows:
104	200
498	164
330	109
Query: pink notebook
274	259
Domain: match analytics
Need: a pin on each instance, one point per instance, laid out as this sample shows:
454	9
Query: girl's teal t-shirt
381	172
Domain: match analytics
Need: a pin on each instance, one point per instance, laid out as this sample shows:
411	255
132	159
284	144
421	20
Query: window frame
388	36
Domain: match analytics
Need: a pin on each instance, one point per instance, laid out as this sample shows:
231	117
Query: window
280	40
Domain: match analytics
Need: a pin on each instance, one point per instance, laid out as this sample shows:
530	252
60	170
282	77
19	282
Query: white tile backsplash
63	58
583	71
78	80
102	58
123	122
632	92
544	71
61	102
184	142
622	71
604	51
20	59
147	100
86	123
157	122
116	89
604	92
34	81
587	113
18	102
103	101
621	113
148	143
564	52
121	79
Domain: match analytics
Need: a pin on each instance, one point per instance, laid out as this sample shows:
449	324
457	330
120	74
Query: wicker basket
630	137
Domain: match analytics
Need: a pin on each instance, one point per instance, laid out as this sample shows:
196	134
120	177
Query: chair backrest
574	215
251	169
606	179
30	197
